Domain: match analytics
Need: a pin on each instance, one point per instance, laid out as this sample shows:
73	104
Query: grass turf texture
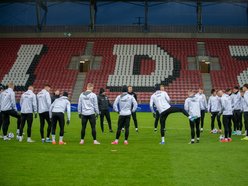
142	162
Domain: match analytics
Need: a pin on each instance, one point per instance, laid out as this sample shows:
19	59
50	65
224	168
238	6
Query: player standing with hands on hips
88	111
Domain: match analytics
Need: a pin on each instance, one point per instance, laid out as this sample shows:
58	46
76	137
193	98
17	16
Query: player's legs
23	121
134	116
84	120
246	122
121	120
197	127
54	125
61	119
127	124
202	119
92	120
235	120
192	131
15	114
176	109
6	122
107	114
49	123
241	121
213	116
102	120
229	126
42	124
156	121
219	121
29	122
1	121
163	117
225	125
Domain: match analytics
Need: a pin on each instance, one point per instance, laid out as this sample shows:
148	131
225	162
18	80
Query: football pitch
143	162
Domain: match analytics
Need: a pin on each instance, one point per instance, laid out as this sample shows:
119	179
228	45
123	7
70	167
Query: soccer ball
221	137
10	135
215	131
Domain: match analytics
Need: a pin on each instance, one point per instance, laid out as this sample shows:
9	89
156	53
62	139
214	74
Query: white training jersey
44	101
203	101
60	105
28	102
125	104
192	106
227	106
236	99
214	104
245	104
8	101
0	100
88	104
161	100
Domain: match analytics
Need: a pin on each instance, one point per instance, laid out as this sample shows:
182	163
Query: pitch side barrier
141	107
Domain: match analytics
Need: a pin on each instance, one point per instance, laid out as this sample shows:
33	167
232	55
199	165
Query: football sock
53	137
61	138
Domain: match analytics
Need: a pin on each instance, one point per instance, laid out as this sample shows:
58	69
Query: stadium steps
78	87
207	85
89	48
74	63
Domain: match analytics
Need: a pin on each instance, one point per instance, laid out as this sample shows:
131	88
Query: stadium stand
140	62
52	67
233	60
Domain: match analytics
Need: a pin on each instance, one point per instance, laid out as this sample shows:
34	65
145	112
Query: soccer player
245	89
203	104
56	112
88	111
44	103
156	115
214	107
192	106
161	100
236	98
242	110
227	113
130	91
55	95
28	104
104	104
124	104
1	118
8	108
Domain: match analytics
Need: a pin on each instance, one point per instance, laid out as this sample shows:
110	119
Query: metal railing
126	29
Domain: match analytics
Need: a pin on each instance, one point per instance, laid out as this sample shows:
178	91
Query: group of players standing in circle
231	104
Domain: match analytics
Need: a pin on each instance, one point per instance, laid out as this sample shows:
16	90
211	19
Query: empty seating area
167	64
140	62
52	67
231	54
21	73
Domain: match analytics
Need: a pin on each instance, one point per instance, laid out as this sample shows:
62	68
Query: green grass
142	162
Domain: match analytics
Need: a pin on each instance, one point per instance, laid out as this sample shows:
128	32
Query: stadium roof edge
178	1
